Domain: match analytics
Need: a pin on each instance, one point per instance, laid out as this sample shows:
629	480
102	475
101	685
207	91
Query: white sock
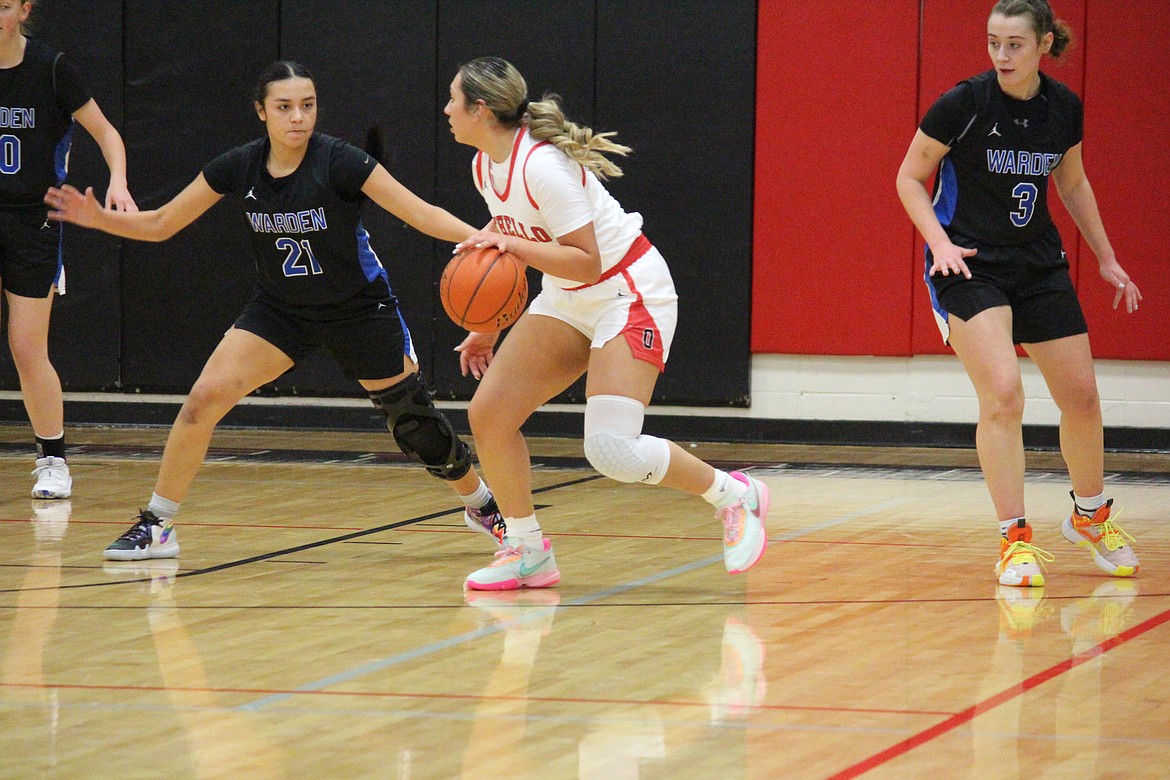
1086	506
725	490
162	507
524	530
1004	525
479	497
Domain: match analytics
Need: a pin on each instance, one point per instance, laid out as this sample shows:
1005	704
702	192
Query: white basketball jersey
539	193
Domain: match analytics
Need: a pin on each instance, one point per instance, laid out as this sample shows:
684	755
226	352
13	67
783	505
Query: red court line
969	714
197	524
459	696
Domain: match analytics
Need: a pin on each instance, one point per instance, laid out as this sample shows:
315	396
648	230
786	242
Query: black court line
256	455
261	455
298	548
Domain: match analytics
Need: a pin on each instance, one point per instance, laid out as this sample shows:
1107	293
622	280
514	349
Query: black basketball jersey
37	101
311	248
992	186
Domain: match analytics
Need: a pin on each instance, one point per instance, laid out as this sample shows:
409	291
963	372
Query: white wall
930	388
917	389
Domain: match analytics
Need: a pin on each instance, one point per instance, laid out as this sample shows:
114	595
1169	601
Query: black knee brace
423	433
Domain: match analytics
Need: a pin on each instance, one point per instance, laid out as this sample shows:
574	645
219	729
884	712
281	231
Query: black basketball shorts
366	335
30	251
1032	279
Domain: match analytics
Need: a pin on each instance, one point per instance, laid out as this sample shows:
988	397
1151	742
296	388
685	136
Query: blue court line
459	639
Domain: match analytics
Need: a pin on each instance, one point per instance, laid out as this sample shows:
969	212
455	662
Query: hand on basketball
475	353
949	259
69	205
481	239
1123	286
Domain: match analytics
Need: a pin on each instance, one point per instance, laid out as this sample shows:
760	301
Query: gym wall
176	79
841	88
766	142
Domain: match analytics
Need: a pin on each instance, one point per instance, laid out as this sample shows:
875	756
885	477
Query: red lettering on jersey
510	227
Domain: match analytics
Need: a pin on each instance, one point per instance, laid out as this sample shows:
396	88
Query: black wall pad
84	340
190	70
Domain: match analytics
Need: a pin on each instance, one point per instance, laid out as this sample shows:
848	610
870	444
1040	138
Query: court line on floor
681	704
291	550
1004	696
460	639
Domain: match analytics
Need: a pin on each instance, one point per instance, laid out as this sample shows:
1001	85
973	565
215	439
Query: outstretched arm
1077	194
390	194
90	117
922	159
70	205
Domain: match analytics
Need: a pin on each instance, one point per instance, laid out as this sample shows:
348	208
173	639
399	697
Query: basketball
484	289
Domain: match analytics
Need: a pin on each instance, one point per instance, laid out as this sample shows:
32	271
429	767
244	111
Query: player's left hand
69	205
1123	286
475	353
119	199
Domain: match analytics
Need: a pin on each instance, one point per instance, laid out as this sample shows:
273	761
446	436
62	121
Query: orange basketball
484	290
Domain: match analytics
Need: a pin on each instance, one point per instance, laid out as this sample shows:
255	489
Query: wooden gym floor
315	624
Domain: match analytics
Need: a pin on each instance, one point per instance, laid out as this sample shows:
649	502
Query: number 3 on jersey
300	260
1025	195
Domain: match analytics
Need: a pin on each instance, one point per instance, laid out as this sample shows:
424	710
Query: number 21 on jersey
300	260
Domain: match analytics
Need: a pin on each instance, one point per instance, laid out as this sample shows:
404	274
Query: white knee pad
615	444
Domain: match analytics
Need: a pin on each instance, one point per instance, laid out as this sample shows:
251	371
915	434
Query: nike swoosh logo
526	570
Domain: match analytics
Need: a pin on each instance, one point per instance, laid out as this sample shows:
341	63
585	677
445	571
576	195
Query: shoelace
138	532
50	468
1041	555
505	552
732	529
1112	534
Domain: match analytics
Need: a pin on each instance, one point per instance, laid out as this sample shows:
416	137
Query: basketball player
41	95
319	283
608	307
998	276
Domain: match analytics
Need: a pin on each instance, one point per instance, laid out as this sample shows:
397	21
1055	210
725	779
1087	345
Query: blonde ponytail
505	93
547	122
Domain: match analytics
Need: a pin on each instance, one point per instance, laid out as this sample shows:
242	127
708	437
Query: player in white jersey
998	276
607	308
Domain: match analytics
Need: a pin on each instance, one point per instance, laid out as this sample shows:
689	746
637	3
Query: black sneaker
149	537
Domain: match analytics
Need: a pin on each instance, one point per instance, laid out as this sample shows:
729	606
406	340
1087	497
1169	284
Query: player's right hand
950	259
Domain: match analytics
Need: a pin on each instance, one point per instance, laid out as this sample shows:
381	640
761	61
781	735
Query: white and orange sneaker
1021	562
1105	540
744	535
516	566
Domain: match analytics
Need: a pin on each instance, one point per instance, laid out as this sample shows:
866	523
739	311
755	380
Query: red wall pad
1127	156
836	108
